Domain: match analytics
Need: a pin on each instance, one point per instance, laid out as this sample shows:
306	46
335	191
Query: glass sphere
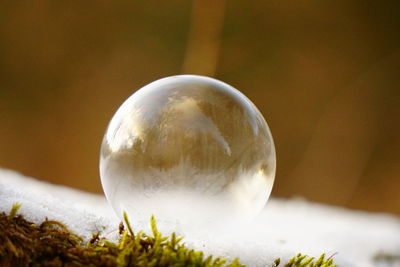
187	148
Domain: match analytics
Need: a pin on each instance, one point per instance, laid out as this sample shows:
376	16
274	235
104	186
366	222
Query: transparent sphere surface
187	148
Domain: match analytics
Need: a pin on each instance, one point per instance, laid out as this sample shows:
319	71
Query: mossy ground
23	243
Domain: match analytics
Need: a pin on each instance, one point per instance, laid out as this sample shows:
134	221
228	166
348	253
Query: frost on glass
190	149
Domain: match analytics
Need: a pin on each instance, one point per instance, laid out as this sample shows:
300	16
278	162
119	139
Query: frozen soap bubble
190	149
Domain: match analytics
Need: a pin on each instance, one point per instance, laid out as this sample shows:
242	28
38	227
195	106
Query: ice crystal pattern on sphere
187	148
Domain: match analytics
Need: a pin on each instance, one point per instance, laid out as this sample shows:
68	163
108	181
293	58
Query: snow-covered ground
284	228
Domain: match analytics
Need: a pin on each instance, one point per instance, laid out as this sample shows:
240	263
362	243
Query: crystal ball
187	148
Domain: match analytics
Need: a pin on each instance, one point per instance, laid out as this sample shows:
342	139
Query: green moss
305	261
23	243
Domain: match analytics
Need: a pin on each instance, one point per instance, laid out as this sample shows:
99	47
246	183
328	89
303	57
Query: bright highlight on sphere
187	148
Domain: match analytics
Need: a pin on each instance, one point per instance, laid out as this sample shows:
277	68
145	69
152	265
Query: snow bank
284	228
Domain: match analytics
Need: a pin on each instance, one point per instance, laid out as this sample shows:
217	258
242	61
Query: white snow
284	228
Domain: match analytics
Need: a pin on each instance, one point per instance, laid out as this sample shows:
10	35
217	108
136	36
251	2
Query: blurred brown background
325	74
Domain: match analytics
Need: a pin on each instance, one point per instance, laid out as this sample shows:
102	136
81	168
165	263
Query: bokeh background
325	74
